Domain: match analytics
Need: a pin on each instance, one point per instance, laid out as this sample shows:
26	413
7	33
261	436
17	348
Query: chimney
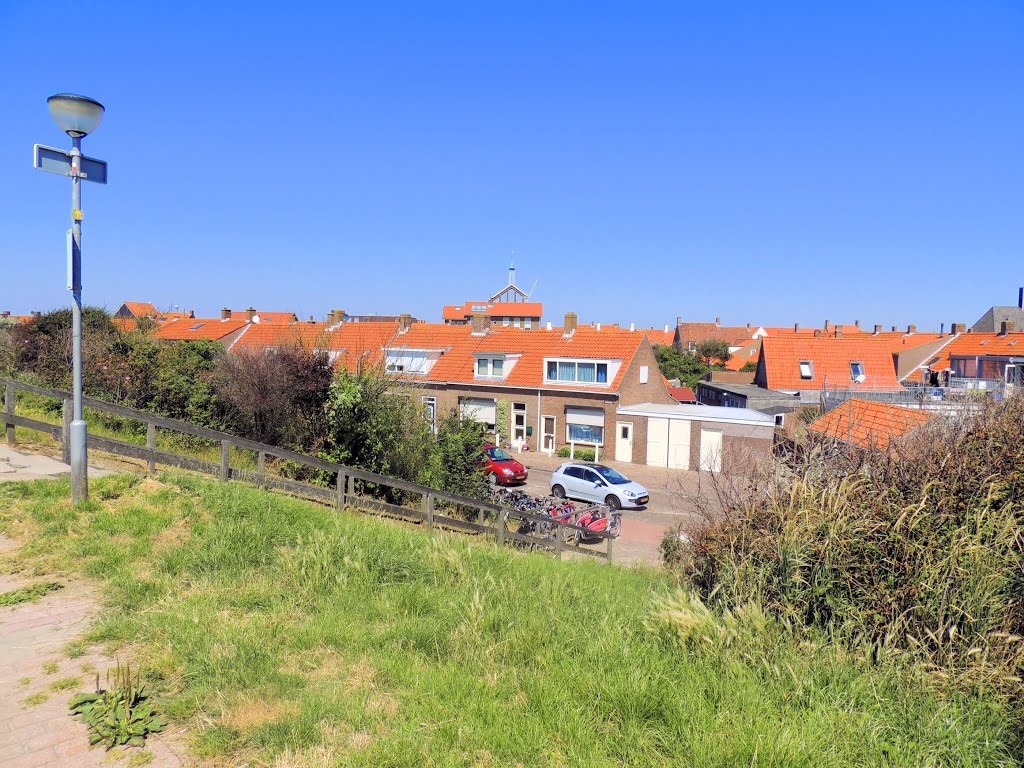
36	314
718	321
225	314
548	327
817	332
666	329
632	327
311	320
250	313
599	327
405	322
6	313
796	327
1020	299
878	328
839	332
955	328
479	324
1005	327
748	326
856	323
679	320
894	329
911	329
569	326
826	325
191	314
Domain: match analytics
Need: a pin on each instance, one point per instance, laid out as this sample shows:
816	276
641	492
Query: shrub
919	548
581	454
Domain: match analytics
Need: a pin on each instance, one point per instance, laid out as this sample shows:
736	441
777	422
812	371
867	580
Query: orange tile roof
733	335
661	336
831	358
986	345
682	394
198	328
142	308
356	344
125	324
495	309
845	328
867	423
459	344
744	355
265	317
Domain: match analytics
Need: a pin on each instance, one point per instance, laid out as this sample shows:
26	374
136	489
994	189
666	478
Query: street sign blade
53	160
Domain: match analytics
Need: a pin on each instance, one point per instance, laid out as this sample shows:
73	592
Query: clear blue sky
770	162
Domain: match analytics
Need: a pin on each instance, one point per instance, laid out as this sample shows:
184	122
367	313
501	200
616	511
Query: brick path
33	661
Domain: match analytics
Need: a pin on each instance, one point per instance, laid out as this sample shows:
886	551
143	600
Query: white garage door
657	442
711	450
478	409
679	444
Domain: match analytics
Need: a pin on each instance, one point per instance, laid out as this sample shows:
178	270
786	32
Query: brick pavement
36	730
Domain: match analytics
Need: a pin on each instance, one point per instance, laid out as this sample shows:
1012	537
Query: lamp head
76	115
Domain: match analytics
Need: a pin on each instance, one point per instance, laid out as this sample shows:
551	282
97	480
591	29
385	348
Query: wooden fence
352	487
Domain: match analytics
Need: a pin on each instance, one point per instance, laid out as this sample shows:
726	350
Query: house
683	395
225	331
688	335
869	423
6	318
336	316
738	395
985	360
992	321
351	345
810	364
510	308
136	310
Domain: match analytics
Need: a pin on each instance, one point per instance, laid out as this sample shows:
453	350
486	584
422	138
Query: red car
500	468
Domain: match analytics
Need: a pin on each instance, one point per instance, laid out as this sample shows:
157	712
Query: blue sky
760	162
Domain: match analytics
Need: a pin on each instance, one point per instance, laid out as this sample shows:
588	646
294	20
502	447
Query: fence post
558	540
9	410
341	482
151	444
428	510
225	457
350	488
66	413
261	468
610	540
502	526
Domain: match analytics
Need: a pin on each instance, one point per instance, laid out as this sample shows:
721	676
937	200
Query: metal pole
78	436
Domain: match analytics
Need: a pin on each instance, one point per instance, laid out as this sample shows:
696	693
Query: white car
597	483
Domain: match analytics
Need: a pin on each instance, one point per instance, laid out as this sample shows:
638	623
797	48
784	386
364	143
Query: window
856	370
806	369
780	419
528	324
515	322
582	372
430	411
585	433
584	425
518	421
395	368
691	346
490	367
576	472
643	374
505	321
591	476
196	327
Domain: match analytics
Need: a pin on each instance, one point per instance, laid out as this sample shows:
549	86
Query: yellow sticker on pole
77	215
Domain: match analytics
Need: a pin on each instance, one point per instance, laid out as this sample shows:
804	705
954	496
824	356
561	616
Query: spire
511	272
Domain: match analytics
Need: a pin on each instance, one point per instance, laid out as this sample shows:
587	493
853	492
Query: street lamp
77	116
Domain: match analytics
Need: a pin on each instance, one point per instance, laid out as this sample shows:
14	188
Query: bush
919	548
581	454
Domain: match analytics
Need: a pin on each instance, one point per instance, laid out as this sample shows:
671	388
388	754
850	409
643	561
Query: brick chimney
817	332
955	328
878	328
480	324
894	329
1005	327
838	332
225	314
911	329
250	313
311	320
718	321
191	314
404	322
569	324
856	323
679	320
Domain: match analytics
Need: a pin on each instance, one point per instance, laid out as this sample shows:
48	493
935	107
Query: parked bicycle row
594	519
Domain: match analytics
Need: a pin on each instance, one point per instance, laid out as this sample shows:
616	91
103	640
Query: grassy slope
279	629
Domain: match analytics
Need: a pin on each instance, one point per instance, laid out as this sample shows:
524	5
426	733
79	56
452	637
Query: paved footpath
36	730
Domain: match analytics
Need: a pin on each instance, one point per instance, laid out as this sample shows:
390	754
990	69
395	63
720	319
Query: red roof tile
265	317
196	328
682	394
867	423
830	358
141	308
354	345
744	355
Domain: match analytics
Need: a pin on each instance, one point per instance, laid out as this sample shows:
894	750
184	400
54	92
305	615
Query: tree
749	367
713	352
679	365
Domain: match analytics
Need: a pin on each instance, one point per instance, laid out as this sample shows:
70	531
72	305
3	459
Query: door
624	441
572	480
591	488
711	450
518	422
548	434
678	444
657	442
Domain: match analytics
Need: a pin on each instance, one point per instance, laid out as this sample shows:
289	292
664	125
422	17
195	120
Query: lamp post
77	116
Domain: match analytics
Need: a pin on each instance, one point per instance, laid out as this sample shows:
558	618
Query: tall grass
281	632
919	549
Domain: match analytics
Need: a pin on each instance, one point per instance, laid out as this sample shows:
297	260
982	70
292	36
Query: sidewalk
15	465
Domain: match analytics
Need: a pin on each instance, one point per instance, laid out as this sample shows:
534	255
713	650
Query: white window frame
854	373
810	370
576	362
490	359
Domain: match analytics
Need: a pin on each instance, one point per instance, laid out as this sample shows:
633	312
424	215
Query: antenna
532	290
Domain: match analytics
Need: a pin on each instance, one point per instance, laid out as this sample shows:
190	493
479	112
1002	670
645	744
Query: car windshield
611	475
496	454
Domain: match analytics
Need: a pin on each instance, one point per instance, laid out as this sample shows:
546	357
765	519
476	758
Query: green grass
28	594
278	630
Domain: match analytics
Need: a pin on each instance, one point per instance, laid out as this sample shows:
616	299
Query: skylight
196	327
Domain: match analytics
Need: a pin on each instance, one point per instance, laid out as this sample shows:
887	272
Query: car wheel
492	478
558	491
612	502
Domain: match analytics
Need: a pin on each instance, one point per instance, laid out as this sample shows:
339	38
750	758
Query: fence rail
481	517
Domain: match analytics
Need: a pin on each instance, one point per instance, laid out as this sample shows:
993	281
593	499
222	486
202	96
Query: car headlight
631	495
507	471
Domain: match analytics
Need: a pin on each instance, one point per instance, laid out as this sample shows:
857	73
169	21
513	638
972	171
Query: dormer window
490	367
856	370
589	372
806	370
